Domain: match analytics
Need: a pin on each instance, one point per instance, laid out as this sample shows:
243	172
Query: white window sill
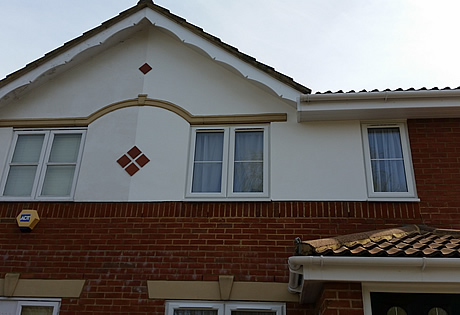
394	199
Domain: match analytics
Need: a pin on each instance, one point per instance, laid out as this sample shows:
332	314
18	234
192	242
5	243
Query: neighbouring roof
389	90
196	30
407	241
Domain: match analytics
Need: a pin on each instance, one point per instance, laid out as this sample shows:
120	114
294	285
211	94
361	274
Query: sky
326	45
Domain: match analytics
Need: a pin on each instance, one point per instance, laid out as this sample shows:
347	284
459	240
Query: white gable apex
131	21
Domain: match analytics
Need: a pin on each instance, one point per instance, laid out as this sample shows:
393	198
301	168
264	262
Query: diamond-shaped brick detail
134	152
145	68
124	160
133	161
142	160
132	169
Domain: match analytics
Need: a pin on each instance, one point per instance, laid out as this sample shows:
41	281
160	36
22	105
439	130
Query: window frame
410	194
55	303
402	287
227	178
42	163
225	308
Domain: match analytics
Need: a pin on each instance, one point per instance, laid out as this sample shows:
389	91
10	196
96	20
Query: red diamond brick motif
132	169
128	161
134	152
124	160
145	68
142	160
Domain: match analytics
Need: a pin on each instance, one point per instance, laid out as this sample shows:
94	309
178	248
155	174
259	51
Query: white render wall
308	161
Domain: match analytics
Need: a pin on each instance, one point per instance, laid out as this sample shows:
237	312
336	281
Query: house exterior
165	172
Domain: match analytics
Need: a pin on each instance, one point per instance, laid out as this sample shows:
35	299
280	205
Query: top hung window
388	164
228	162
43	164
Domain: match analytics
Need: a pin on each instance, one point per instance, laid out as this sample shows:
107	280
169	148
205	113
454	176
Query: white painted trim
227	166
224	308
42	163
395	287
407	159
379	105
419	270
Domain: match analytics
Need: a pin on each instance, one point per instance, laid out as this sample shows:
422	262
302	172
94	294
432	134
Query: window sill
224	199
394	199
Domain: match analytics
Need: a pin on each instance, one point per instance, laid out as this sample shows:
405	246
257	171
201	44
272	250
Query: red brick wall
117	247
435	145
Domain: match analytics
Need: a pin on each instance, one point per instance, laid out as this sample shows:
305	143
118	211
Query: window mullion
44	156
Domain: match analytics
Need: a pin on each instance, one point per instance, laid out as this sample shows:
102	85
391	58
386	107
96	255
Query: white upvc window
388	163
228	162
223	308
29	306
43	164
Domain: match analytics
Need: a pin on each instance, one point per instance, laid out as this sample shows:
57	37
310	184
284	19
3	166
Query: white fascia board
379	105
220	55
375	269
71	53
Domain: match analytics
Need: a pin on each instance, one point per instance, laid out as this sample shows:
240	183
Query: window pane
387	162
58	180
252	313
37	310
207	177
248	167
20	180
384	143
388	176
248	177
209	146
207	167
249	145
65	148
28	148
194	312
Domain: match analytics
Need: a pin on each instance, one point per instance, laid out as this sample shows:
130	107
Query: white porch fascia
308	273
379	105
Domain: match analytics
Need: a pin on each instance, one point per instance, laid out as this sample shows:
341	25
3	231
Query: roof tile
408	241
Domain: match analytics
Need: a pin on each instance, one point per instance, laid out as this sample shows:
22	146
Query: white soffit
124	28
379	105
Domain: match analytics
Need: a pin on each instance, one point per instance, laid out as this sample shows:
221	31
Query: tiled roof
389	90
198	31
407	241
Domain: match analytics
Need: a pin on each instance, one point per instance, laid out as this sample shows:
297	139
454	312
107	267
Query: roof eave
307	273
379	105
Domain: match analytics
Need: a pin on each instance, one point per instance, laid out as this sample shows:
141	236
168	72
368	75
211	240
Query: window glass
20	180
252	313
65	148
387	162
208	159
58	180
37	310
28	148
43	163
248	168
194	312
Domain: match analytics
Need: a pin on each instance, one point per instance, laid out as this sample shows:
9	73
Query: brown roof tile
407	241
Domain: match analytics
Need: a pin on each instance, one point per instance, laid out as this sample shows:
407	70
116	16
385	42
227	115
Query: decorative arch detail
142	100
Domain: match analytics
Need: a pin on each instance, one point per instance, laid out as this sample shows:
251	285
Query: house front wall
306	161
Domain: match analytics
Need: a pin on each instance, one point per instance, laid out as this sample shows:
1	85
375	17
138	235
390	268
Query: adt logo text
25	218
